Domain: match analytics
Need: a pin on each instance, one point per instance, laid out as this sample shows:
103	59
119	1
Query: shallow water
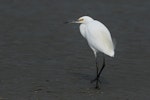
41	58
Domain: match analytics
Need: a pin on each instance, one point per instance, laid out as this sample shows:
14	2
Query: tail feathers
111	54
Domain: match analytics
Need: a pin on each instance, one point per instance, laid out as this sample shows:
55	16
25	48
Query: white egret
98	38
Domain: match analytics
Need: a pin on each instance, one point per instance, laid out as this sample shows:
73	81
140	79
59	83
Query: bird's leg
98	73
102	67
97	76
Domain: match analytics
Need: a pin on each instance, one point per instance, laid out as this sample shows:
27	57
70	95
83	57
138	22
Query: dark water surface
43	59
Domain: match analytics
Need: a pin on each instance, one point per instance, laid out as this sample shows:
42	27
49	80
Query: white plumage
98	38
97	35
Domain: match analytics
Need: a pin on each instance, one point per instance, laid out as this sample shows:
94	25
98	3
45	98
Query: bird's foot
97	87
96	79
97	82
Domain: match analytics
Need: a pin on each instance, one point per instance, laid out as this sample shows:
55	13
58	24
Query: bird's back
99	38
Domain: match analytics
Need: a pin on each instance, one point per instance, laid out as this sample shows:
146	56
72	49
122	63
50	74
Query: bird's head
82	20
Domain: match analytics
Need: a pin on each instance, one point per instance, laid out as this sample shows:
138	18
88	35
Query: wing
99	38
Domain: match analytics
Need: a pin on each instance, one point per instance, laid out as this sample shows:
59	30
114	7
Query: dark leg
97	78
102	67
98	73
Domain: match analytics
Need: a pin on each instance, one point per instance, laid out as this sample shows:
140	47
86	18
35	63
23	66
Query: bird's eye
81	19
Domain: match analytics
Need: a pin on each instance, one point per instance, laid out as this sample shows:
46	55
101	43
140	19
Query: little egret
99	40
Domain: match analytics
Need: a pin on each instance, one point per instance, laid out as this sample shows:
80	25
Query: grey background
43	59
